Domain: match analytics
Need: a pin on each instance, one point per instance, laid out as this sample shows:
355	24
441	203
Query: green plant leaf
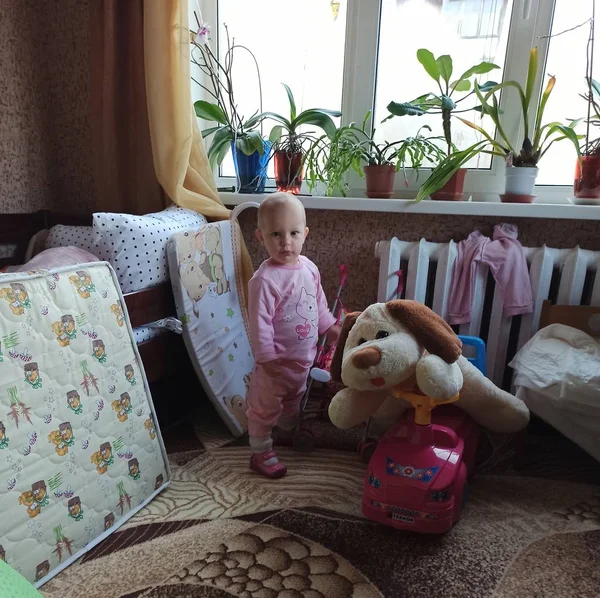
209	111
540	111
273	116
290	96
318	118
404	109
250	143
595	87
276	133
427	59
222	138
444	64
481	130
461	85
531	76
208	132
479	69
486	86
444	171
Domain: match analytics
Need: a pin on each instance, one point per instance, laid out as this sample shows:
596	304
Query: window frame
530	25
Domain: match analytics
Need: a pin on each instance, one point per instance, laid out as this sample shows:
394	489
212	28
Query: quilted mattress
205	267
80	451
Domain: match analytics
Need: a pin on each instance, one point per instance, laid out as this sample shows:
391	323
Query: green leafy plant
351	147
444	103
231	126
286	135
537	137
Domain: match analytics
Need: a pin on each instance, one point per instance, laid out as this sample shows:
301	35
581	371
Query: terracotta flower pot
453	189
288	171
380	180
587	177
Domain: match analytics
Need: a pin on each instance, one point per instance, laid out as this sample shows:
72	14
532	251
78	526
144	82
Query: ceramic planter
251	171
587	177
453	189
288	171
520	182
380	180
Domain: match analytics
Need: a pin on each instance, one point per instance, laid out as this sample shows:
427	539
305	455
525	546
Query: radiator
564	276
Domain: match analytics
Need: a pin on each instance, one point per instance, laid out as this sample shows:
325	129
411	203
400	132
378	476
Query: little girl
287	313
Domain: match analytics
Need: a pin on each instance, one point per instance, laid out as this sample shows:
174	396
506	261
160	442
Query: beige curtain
180	160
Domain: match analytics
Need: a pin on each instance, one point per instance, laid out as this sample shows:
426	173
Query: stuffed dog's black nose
366	358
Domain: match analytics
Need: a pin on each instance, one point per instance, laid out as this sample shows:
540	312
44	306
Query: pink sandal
257	463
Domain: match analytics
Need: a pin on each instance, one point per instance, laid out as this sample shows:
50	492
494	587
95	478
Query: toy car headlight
440	495
373	481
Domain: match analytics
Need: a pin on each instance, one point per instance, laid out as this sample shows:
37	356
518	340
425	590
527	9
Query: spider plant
353	147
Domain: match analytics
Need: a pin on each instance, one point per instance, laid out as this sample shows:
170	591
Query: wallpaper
350	237
45	138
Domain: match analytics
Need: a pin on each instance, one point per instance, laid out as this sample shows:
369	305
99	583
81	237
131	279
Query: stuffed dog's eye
362	341
382	334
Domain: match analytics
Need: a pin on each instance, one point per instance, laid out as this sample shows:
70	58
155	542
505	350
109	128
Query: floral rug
222	531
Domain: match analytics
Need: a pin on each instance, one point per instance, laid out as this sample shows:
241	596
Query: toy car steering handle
422	403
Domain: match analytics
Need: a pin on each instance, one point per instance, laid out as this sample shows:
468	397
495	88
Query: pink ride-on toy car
417	477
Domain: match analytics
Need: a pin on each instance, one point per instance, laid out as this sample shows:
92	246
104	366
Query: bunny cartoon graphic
307	309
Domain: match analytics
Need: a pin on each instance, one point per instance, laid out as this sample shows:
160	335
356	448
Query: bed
557	373
163	352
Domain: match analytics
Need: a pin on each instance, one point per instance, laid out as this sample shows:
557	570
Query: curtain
180	160
121	150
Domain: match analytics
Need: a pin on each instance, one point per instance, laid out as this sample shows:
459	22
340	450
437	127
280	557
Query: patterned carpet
221	531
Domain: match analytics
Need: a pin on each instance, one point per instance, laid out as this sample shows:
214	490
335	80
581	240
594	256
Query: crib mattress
80	451
204	267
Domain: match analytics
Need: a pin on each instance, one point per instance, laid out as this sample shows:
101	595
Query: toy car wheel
366	449
304	441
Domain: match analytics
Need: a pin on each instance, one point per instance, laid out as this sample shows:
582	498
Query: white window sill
458	208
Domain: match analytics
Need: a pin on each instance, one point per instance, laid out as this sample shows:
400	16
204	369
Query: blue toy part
479	360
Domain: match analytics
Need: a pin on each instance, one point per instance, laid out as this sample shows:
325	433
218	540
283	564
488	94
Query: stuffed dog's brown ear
336	362
433	332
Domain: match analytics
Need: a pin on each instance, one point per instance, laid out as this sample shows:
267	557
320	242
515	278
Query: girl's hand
332	335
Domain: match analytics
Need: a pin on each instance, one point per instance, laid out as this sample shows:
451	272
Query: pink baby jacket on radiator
507	263
287	312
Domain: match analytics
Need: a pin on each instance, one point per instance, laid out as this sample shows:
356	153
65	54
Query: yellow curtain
180	160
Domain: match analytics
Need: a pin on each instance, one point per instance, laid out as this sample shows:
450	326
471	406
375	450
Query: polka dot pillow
71	236
136	245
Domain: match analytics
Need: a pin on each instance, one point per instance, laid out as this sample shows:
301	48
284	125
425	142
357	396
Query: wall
45	140
350	237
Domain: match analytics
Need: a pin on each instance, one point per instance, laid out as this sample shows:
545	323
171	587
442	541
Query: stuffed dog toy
404	345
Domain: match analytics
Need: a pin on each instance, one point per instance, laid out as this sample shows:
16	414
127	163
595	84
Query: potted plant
521	164
233	132
290	144
587	170
353	148
445	103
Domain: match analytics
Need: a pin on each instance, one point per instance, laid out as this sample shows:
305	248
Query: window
358	55
302	48
566	60
471	31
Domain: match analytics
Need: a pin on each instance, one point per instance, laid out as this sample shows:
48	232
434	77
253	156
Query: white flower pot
520	180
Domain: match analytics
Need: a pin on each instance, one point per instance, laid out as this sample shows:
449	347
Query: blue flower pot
251	171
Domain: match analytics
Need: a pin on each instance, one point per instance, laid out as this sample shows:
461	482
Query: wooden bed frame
165	358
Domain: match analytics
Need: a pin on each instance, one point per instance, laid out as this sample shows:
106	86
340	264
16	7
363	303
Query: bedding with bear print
204	265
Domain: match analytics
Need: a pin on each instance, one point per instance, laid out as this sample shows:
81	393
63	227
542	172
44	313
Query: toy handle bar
422	403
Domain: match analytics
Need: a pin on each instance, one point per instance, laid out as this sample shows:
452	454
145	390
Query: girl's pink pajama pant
271	399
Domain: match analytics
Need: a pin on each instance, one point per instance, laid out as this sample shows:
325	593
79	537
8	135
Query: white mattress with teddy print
80	451
205	267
